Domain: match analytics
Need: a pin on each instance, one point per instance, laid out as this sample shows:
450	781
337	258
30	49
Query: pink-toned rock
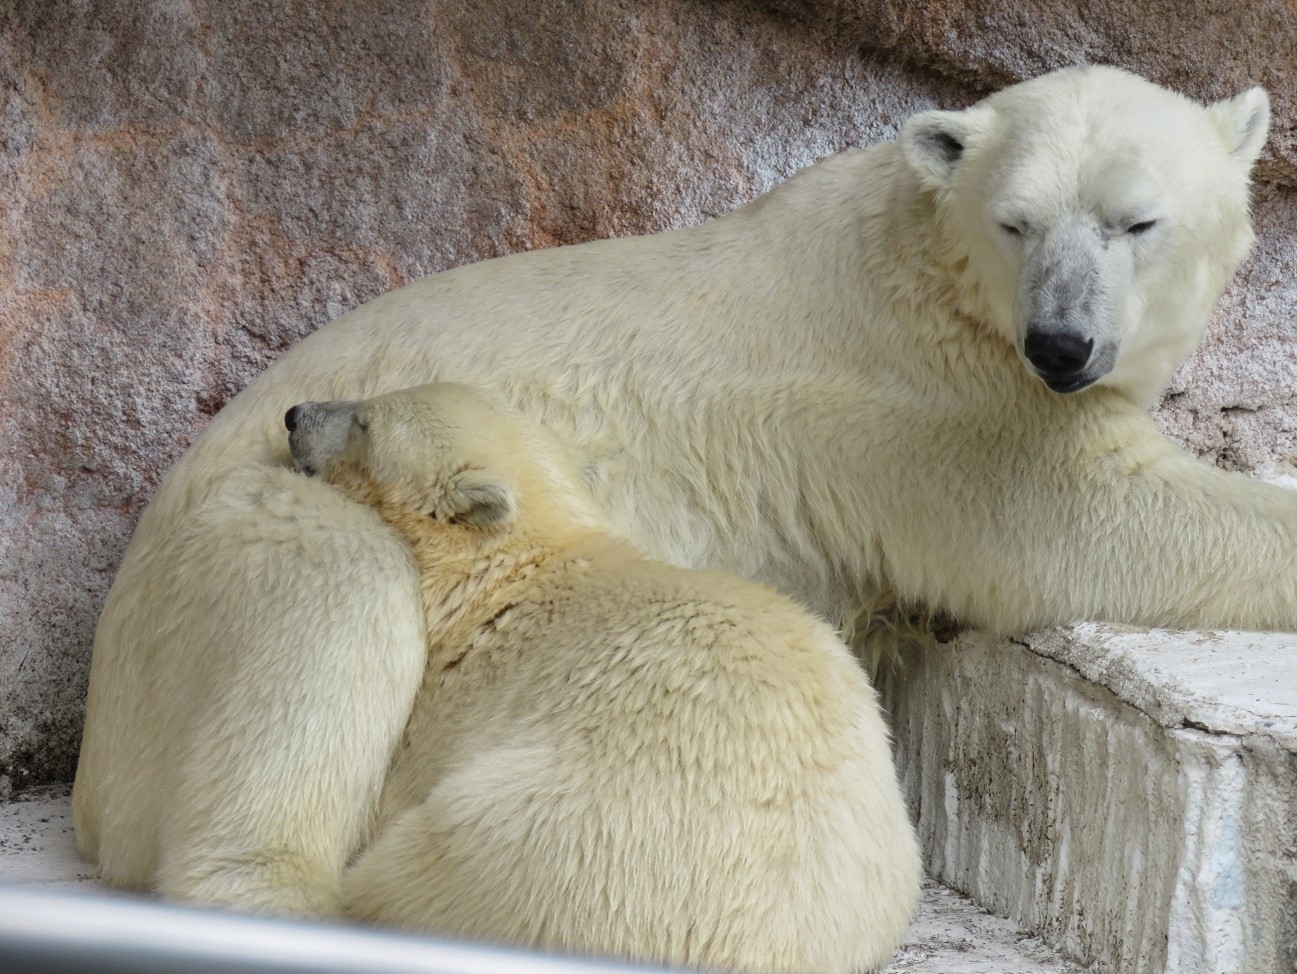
1207	50
1235	401
288	72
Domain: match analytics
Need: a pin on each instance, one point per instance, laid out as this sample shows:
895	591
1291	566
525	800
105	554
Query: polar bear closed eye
1095	217
842	390
453	453
608	755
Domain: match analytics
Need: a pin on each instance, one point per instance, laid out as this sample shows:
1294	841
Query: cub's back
698	748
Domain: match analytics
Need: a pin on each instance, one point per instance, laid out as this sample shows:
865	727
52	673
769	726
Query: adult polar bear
836	390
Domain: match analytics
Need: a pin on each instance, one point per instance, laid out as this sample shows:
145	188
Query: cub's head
445	458
1092	218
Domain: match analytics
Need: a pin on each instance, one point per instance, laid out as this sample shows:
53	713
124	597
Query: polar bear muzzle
318	431
1069	293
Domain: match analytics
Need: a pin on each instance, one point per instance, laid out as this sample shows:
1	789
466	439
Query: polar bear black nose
290	418
1057	354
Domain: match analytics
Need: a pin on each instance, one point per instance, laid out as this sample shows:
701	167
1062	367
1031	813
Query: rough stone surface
1207	50
1126	794
189	186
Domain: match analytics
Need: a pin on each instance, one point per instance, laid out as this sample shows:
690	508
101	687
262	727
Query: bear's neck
462	588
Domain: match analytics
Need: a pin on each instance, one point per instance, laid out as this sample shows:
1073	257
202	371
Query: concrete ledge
1130	795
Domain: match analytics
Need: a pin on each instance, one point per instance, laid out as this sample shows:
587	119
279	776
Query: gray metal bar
44	932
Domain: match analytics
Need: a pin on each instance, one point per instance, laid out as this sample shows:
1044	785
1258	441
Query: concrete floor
950	935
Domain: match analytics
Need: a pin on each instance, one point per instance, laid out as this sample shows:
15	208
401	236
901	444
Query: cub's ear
934	142
1244	123
486	505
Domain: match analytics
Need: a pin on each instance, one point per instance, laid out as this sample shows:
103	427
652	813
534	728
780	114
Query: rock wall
189	186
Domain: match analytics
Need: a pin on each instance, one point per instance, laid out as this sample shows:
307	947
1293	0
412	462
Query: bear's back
698	745
625	658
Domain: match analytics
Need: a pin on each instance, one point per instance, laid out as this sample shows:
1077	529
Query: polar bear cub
608	755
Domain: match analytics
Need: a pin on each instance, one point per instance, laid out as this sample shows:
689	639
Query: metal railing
44	932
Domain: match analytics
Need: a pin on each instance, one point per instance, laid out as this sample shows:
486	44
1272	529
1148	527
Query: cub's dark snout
318	433
1058	357
297	442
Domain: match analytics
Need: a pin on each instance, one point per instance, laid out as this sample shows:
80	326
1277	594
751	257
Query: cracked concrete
1125	793
1240	683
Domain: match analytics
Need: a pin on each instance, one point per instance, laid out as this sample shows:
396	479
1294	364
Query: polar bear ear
486	505
934	142
1244	123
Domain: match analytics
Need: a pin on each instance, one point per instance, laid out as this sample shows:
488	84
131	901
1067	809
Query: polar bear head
446	458
1092	218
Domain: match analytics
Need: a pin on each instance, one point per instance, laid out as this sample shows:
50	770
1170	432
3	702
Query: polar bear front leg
1180	544
306	646
1117	526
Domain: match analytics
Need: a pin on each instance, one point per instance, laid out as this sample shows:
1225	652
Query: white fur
609	755
1037	213
822	391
